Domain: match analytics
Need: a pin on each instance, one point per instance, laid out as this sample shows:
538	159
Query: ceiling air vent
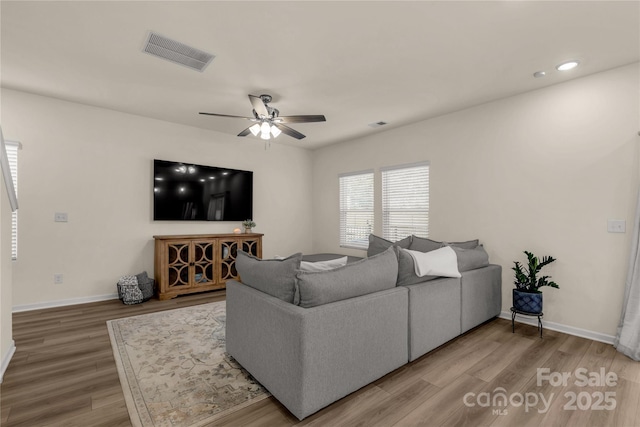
177	52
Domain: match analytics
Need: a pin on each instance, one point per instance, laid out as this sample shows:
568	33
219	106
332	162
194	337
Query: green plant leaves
526	278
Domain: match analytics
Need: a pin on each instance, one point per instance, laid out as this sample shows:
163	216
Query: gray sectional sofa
312	338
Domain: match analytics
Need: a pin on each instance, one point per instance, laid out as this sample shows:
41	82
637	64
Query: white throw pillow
323	265
441	262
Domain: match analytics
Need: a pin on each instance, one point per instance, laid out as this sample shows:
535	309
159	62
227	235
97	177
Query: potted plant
248	225
527	296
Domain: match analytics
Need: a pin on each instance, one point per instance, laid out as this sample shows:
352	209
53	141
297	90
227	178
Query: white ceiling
355	62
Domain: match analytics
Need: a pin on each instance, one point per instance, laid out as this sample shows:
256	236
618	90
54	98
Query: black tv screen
188	192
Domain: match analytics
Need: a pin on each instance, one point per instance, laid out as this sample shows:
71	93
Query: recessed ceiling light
569	65
539	74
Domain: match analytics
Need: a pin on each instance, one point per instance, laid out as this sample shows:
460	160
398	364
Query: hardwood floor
63	374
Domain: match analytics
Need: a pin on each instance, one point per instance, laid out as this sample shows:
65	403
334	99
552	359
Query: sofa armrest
481	295
310	357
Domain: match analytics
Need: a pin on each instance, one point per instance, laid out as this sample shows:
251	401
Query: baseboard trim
6	359
62	303
571	330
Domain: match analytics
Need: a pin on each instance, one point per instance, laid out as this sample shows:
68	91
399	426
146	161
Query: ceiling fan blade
259	106
301	119
227	115
245	132
291	132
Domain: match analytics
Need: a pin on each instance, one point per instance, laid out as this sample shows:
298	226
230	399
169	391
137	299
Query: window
405	201
356	209
12	156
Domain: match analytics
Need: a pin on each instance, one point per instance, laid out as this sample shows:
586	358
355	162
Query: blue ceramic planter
530	302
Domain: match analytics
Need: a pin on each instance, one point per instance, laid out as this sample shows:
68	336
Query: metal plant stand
515	311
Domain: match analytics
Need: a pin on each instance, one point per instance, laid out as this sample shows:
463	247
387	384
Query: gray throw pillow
369	275
470	244
427	245
424	245
407	270
142	277
377	245
272	276
471	259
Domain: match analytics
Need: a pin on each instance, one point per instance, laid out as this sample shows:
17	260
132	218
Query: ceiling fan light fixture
255	129
267	121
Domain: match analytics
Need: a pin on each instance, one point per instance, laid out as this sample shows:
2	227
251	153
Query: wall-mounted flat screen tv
189	192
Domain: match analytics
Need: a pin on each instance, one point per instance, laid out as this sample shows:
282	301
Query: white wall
542	171
96	165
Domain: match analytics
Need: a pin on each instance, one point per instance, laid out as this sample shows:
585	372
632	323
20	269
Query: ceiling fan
268	121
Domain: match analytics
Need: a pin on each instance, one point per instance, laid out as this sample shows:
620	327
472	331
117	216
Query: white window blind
12	156
405	201
356	209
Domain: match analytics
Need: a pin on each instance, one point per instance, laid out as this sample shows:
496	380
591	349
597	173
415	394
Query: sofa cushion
323	265
469	244
363	277
426	245
378	245
327	257
471	259
276	277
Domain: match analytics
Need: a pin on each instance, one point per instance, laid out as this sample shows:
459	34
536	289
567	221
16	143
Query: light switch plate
616	226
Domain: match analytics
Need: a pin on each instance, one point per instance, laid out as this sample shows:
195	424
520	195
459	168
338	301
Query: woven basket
147	288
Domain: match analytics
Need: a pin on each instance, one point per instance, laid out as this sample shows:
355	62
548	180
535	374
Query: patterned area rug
174	369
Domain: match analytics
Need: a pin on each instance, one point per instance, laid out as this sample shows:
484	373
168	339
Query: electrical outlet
57	279
616	226
60	217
